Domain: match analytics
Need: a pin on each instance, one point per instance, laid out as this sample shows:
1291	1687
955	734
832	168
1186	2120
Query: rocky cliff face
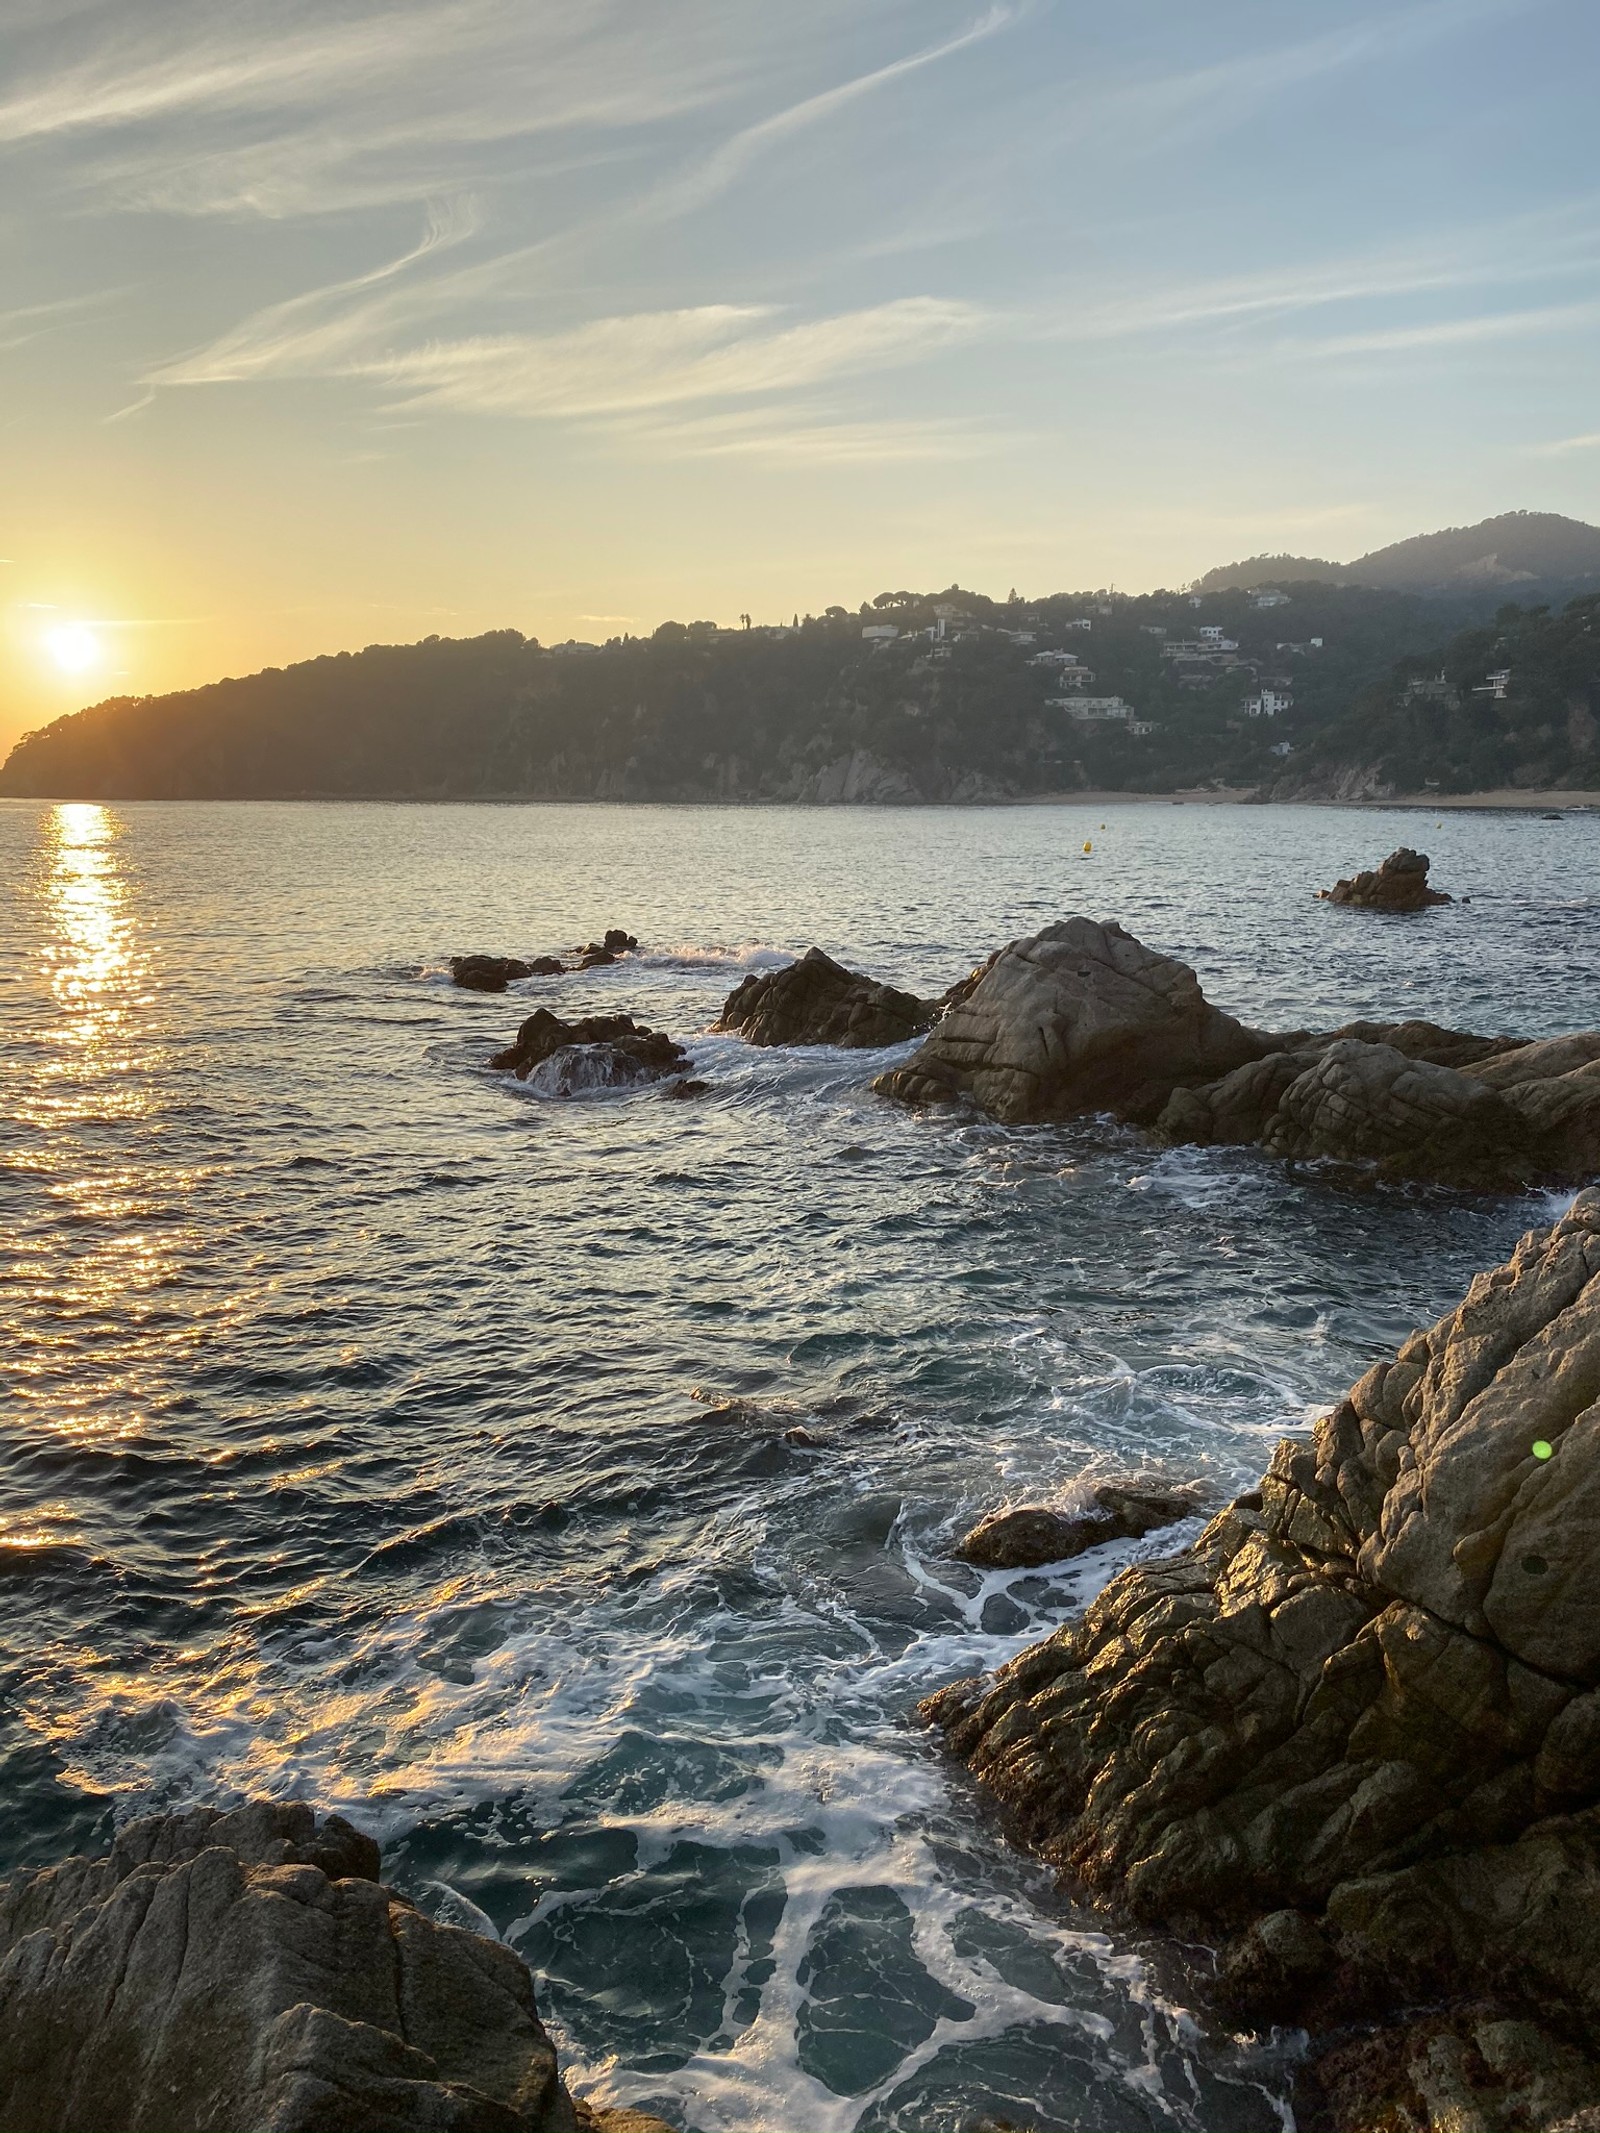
1361	1716
246	1970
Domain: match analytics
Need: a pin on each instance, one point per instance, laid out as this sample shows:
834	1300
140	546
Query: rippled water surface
567	1489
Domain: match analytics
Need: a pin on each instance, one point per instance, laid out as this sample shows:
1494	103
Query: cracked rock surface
1080	1017
228	1971
1360	1717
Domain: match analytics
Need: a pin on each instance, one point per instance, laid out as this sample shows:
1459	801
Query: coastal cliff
1357	1723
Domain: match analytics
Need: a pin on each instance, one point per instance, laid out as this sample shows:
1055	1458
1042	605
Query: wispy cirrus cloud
652	360
1559	447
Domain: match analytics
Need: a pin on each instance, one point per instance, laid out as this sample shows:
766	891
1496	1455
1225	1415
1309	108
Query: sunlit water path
567	1490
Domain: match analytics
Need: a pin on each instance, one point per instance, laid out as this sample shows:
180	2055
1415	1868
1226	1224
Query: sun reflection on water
93	964
88	1276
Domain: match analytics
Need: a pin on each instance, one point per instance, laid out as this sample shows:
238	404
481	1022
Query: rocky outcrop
595	1052
488	973
1368	1103
492	973
1399	884
224	1971
1026	1536
1361	1715
1394	1099
1081	1017
817	1001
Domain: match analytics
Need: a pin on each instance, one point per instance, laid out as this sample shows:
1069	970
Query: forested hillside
951	696
1514	703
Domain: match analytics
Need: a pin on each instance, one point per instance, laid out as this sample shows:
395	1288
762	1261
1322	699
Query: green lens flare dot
1541	1450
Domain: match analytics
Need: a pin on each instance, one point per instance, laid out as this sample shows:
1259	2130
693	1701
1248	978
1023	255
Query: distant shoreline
1500	801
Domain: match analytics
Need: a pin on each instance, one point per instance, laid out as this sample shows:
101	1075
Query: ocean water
566	1489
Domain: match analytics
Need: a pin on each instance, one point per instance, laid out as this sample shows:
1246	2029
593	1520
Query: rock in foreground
595	1052
245	1972
1399	884
1081	1017
817	1001
1369	1695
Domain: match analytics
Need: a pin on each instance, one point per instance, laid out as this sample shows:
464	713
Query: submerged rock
1025	1536
1373	1700
246	1970
817	1001
1399	884
488	973
1081	1017
595	1052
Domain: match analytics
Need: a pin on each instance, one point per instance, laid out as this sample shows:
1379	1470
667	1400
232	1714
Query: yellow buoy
1088	847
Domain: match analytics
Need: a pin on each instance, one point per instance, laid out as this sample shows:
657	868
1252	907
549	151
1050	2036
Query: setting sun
73	647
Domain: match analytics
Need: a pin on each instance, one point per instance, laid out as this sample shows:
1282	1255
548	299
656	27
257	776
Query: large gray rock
1081	1017
1555	1086
1369	1103
246	1973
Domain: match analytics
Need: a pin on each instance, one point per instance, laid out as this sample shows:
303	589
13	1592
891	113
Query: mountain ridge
1516	551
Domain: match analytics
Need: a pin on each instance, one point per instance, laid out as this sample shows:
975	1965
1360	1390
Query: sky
326	323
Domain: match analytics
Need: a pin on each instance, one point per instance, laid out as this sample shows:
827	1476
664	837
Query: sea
566	1489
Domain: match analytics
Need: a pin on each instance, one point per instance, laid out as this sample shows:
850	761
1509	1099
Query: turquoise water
566	1490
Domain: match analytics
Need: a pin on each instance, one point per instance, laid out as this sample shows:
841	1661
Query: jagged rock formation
817	1001
246	1970
1025	1536
1081	1017
1368	1695
595	1052
1399	884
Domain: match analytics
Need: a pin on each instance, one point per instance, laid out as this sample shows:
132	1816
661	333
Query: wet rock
817	1001
685	1088
1555	1087
1428	1041
1026	1536
595	958
595	1052
1267	1973
1372	1701
488	973
546	966
1236	1109
1399	884
1081	1017
222	1971
1482	2069
617	941
1370	1103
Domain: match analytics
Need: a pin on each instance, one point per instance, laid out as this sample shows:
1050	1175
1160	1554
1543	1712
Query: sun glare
73	647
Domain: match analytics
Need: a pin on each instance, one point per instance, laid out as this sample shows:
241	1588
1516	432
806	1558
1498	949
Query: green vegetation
959	705
1512	704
